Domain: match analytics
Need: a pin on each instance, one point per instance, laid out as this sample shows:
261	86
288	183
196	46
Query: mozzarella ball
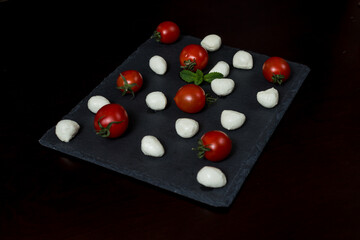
156	100
243	60
232	120
221	67
211	42
96	102
186	127
211	177
151	146
158	64
66	129
268	98
222	86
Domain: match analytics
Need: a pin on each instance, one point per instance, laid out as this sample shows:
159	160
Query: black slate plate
176	170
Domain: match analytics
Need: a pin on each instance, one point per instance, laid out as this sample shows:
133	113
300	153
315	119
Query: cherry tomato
193	57
214	146
167	32
111	121
190	98
129	81
276	70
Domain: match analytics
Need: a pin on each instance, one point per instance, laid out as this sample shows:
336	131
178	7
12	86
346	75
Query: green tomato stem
189	65
201	149
278	78
105	131
127	88
156	35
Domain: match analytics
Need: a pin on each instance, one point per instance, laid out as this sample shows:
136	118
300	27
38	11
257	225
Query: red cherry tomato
276	70
193	57
214	146
129	81
167	32
190	98
111	121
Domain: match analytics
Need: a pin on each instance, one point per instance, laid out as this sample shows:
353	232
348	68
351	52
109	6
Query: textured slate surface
176	170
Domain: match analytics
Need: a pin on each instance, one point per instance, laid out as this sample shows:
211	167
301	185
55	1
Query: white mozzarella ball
268	98
221	67
186	127
96	102
156	100
243	60
222	86
66	129
231	119
211	177
211	42
158	64
151	146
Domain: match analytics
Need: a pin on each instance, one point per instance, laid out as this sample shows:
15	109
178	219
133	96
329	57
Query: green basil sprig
198	77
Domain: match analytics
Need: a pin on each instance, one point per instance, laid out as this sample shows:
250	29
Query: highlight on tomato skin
193	57
190	98
214	145
166	32
129	82
276	70
111	121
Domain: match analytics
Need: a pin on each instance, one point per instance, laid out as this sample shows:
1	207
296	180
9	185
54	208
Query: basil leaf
199	77
211	76
188	76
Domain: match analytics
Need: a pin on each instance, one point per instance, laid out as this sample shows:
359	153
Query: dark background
305	184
